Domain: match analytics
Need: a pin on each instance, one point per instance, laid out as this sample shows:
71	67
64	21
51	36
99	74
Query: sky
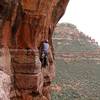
85	15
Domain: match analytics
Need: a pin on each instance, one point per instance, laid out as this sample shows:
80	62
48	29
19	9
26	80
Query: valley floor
77	79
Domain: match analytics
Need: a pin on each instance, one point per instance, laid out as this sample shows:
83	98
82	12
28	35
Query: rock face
4	86
24	24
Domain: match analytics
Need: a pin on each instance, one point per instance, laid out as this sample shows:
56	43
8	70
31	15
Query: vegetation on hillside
68	37
76	79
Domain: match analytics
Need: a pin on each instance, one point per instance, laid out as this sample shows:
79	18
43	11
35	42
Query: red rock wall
26	25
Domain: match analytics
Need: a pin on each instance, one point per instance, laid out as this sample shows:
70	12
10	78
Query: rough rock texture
24	25
4	86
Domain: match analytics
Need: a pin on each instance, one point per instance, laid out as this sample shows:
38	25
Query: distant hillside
77	58
68	38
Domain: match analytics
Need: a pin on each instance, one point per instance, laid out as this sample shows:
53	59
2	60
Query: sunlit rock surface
4	86
25	25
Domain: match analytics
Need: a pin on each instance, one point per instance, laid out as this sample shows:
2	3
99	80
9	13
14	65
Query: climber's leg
46	59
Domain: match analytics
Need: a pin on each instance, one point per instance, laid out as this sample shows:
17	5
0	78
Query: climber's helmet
46	41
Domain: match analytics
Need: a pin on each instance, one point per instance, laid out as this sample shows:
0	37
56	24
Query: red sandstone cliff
24	25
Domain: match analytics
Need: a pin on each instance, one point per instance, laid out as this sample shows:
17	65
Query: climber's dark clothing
44	59
44	54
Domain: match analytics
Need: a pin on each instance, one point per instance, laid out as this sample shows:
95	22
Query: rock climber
44	53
